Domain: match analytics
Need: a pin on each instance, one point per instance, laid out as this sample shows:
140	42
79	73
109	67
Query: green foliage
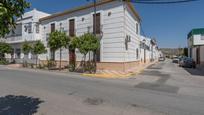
4	48
71	67
185	52
73	43
3	62
39	48
58	40
9	11
26	48
87	42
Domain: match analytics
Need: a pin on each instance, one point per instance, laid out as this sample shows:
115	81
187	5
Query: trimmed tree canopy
39	48
26	47
87	42
9	11
5	48
58	40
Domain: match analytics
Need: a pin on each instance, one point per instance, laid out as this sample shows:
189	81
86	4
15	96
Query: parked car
182	61
189	63
175	60
161	58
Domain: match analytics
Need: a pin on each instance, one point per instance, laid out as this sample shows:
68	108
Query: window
97	23
47	36
137	53
72	27
202	37
52	54
52	27
137	28
37	29
29	27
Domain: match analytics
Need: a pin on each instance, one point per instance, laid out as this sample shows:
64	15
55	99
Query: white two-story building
196	45
27	29
117	25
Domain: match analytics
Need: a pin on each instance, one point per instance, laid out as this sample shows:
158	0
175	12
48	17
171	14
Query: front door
72	56
97	30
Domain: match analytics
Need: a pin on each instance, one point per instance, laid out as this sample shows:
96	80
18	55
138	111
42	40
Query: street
161	89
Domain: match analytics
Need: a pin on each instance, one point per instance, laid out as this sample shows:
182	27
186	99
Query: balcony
14	39
99	32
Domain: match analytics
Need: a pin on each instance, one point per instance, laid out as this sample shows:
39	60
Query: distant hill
172	51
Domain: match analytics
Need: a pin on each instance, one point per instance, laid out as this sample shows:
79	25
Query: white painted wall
130	30
196	40
202	54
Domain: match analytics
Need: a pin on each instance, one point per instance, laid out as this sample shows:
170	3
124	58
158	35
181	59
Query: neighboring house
27	29
148	50
117	26
196	45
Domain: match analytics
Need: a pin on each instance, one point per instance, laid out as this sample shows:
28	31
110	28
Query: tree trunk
84	62
60	59
95	61
36	61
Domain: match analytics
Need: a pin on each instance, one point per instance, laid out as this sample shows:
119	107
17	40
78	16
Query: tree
72	58
87	43
27	48
185	52
9	11
4	48
38	48
58	40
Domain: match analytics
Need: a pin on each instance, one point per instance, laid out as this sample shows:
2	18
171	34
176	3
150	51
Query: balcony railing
99	31
14	39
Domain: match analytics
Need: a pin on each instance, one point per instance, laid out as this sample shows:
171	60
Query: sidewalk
198	71
116	74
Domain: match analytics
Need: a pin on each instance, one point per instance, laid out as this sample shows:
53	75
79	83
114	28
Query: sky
169	24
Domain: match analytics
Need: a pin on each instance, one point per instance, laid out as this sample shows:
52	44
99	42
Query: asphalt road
162	89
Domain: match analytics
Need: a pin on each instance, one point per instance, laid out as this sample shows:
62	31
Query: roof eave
86	7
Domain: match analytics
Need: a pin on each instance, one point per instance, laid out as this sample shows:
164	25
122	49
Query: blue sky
169	24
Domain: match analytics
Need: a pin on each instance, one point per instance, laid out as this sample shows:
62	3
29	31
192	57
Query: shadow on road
19	105
197	72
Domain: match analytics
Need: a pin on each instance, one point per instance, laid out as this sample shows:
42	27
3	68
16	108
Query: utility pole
94	17
94	26
94	30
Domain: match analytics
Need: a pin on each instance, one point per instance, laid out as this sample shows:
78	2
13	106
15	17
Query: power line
160	1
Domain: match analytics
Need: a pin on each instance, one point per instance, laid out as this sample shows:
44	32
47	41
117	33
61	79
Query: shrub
25	64
71	67
3	62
